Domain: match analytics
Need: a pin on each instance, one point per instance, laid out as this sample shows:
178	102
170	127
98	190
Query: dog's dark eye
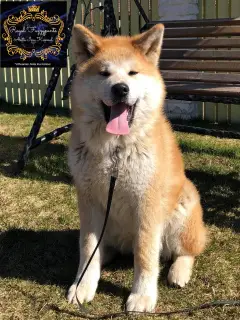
132	73
104	73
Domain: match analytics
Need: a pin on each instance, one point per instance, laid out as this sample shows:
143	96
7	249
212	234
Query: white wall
179	10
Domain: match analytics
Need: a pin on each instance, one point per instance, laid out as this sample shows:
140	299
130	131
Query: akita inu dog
117	107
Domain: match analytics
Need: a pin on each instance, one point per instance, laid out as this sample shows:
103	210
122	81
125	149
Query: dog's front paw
85	292
138	302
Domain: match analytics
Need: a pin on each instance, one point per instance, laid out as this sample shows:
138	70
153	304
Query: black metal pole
110	26
49	92
141	11
51	135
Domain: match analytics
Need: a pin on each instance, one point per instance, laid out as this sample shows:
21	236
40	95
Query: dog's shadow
48	257
51	257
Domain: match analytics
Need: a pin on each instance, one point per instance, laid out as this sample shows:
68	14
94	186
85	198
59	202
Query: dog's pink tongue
118	123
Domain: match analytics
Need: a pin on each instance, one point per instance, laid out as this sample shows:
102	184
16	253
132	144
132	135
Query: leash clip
115	159
115	170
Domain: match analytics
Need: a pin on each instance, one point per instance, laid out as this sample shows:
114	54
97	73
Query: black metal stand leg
67	87
38	120
51	135
48	94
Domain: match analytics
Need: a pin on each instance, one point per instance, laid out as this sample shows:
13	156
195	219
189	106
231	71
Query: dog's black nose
120	90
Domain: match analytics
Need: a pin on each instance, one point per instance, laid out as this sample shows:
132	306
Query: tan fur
155	209
193	238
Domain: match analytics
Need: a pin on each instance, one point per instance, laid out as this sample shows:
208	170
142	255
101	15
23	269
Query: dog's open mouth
119	117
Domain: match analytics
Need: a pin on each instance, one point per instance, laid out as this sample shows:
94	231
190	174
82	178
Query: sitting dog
117	107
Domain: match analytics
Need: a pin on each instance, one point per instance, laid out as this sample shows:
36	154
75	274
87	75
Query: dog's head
117	81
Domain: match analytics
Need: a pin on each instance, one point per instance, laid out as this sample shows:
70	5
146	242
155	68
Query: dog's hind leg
181	270
187	241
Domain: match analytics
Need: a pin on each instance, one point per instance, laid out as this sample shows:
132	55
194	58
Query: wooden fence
210	9
27	85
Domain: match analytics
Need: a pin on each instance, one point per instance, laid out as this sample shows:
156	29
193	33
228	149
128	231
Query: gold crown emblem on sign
34	8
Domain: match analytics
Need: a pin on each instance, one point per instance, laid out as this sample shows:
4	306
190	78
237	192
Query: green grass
39	223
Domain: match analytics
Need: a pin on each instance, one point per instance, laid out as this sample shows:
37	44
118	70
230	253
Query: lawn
39	229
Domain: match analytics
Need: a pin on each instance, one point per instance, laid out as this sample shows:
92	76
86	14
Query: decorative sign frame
35	55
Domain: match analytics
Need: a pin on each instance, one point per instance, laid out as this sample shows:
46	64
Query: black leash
86	315
189	311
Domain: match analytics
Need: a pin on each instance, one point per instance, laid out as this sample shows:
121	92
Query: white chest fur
92	174
135	168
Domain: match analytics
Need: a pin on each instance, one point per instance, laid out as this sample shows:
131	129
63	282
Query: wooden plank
21	85
53	100
2	84
228	66
202	55
101	16
201	77
63	78
66	74
36	85
209	89
210	109
144	4
134	23
235	8
222	113
28	87
79	13
96	17
201	9
202	32
5	84
91	17
9	85
154	13
222	9
42	82
235	114
124	16
33	88
39	87
222	109
116	5
235	109
199	22
201	43
88	16
15	94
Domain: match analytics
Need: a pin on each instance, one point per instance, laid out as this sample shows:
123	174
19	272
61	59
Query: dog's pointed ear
85	43
150	43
